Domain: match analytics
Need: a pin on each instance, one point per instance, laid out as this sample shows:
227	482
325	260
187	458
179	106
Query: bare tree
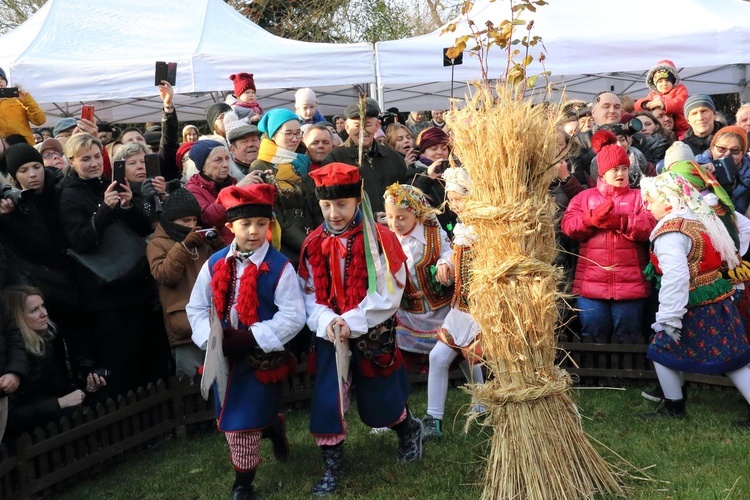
15	12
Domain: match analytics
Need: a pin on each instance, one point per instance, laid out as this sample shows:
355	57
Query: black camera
439	169
267	178
20	198
209	234
105	373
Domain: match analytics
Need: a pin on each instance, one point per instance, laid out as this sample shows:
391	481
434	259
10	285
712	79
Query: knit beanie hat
431	136
63	125
608	154
663	69
181	152
304	96
274	119
180	203
200	151
213	111
698	100
242	82
739	132
18	155
678	151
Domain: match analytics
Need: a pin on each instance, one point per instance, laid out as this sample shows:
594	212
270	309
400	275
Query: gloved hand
674	333
194	239
216	243
238	343
594	217
148	190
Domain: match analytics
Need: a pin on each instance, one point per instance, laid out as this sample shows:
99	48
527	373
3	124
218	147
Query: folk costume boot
657	395
410	433
242	489
276	432
674	408
433	427
333	457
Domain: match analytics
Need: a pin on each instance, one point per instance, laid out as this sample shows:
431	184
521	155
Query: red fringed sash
278	374
247	300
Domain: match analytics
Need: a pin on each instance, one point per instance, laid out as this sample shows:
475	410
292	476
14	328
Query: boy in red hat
354	274
246	106
256	295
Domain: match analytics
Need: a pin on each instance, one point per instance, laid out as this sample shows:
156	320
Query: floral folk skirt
712	342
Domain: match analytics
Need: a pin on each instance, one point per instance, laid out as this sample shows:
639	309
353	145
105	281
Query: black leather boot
276	432
242	489
333	458
674	408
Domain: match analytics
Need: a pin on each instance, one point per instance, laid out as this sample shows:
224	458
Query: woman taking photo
48	392
278	154
123	324
432	162
731	142
148	193
399	138
212	160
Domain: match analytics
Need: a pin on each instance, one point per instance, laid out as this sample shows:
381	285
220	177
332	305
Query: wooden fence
52	458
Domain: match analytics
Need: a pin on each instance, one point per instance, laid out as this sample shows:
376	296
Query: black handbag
120	256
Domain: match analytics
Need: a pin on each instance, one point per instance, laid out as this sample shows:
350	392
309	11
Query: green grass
702	457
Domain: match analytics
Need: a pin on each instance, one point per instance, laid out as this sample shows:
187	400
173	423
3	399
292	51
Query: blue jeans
602	318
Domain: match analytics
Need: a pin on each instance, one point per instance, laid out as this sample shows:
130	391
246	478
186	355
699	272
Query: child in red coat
666	93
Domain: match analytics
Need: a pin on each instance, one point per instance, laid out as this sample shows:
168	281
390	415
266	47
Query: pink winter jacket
611	261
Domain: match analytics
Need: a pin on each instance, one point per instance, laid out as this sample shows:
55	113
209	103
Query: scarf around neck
271	153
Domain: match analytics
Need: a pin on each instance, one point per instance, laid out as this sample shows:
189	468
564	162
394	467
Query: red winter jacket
674	104
212	214
611	262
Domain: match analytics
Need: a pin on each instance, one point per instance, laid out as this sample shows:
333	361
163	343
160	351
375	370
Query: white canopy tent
74	52
591	46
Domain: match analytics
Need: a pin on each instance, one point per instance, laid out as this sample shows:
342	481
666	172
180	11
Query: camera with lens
209	234
21	198
268	178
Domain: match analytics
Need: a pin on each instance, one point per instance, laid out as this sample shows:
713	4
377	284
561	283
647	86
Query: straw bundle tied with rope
539	449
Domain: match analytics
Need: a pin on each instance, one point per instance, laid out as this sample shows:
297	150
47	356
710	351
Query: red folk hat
250	200
242	82
337	180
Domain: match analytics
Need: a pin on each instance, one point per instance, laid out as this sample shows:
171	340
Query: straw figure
539	449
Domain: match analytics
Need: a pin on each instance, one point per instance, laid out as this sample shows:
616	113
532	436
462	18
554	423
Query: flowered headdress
413	200
672	189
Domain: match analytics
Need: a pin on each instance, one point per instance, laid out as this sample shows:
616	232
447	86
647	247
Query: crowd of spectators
71	337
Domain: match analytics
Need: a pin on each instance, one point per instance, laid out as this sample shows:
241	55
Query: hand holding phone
152	165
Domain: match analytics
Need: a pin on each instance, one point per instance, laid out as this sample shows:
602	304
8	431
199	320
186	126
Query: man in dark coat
381	165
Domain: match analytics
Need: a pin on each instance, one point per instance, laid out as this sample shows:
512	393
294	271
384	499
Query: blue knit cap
698	100
200	151
274	119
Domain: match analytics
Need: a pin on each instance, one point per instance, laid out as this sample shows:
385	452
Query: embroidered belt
258	359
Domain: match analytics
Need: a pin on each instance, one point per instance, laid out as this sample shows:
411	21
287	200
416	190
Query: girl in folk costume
353	274
460	333
698	328
255	293
429	280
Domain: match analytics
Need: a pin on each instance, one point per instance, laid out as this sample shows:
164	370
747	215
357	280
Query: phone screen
118	174
152	165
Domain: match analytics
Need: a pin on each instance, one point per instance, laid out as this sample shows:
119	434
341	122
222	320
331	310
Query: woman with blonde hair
48	392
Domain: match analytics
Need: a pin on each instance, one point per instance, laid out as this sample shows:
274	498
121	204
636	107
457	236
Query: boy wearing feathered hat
255	293
353	274
666	93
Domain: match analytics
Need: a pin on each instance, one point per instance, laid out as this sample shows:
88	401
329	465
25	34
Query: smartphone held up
165	72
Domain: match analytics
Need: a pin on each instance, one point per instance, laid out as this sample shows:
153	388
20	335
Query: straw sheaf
539	449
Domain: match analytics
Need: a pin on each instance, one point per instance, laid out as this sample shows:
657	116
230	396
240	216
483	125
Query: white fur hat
457	180
678	151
